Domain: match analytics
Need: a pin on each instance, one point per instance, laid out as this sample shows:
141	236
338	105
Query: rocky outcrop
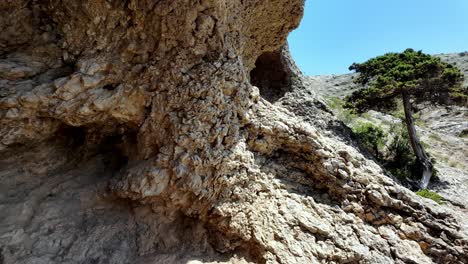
132	132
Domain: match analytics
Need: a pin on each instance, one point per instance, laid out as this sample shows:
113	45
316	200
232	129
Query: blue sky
335	33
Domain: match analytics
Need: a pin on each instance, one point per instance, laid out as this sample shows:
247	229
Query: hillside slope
442	128
340	85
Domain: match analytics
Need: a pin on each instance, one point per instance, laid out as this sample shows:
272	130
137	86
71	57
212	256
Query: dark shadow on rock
270	76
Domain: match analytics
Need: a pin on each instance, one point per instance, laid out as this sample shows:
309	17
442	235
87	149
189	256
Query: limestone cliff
134	132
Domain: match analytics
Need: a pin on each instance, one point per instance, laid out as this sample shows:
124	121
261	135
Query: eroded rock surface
131	133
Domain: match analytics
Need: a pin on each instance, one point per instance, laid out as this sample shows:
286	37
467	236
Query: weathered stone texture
130	133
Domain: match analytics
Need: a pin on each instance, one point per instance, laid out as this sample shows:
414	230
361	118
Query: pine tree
408	76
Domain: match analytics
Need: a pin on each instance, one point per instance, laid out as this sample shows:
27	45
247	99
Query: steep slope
133	132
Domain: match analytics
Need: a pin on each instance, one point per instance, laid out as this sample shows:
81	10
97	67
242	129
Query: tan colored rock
131	133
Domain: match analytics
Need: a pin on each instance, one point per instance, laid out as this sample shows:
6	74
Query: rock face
132	132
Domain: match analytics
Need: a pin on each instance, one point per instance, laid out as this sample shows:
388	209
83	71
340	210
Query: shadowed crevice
271	76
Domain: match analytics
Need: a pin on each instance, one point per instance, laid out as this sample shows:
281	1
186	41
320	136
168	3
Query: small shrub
399	113
400	173
431	195
464	133
400	149
401	161
420	123
366	115
345	115
371	136
335	103
460	96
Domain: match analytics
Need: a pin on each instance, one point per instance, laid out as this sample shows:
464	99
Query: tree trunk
421	155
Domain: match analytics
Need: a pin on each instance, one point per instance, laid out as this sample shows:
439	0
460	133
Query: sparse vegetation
460	96
345	115
401	160
372	137
431	195
464	133
392	149
435	137
410	75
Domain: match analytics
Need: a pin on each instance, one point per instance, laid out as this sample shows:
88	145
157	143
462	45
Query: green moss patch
431	195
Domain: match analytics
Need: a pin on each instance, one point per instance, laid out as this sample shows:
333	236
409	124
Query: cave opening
83	143
271	76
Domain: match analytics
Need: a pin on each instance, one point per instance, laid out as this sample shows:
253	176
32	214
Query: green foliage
431	195
400	145
399	113
335	102
459	95
371	136
386	77
345	115
401	161
392	149
419	122
404	75
464	133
